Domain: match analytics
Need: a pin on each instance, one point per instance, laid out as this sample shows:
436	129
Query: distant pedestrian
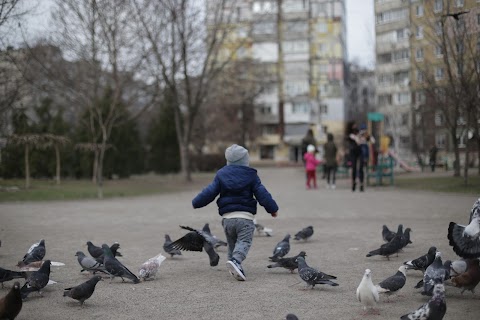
239	188
433	157
330	161
355	155
311	164
307	140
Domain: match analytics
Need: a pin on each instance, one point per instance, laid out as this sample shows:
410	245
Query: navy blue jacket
239	188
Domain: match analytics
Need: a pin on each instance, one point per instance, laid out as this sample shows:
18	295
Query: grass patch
48	190
440	184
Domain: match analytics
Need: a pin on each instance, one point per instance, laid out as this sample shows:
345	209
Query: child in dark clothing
239	188
330	160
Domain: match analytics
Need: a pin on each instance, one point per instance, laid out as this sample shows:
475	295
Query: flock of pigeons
463	273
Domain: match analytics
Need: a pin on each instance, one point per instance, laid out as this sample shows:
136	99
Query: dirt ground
347	225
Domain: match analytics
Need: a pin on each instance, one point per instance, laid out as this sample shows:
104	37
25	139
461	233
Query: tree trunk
467	160
100	170
185	162
27	168
456	165
95	167
57	155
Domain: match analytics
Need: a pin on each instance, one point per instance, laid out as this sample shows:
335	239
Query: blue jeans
239	233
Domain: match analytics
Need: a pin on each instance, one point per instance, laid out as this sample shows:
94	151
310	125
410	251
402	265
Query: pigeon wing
465	245
192	241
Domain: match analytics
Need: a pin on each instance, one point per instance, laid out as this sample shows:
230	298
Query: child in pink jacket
311	164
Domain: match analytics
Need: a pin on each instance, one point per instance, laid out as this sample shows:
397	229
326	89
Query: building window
419	10
438	28
296	26
322	27
419	32
419	54
420	97
402	55
440	94
460	3
439	121
404	119
385	99
419	76
438	73
264	6
441	140
438	51
300	108
267	152
265	109
294	6
438	6
401	77
402	98
391	15
323	109
322	48
264	28
418	119
294	88
401	34
299	46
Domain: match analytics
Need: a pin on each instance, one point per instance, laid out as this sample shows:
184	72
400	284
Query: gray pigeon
35	253
281	249
406	237
7	275
83	291
89	264
215	241
288	263
114	267
11	304
422	263
465	240
94	251
394	283
37	280
435	273
304	234
391	247
166	246
387	234
312	276
291	316
262	230
434	309
197	240
458	267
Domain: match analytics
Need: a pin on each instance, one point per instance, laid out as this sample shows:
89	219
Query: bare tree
28	141
187	55
56	142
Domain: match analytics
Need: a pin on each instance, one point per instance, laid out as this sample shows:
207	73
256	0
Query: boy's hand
275	214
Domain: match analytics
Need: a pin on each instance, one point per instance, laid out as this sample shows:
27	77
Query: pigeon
470	278
465	240
7	275
422	263
434	309
114	248
216	242
37	280
114	267
11	304
435	273
458	267
455	15
94	251
312	276
83	291
89	264
394	283
367	293
304	234
387	235
281	249
170	251
261	230
391	247
35	253
291	316
34	266
406	237
150	267
196	240
288	263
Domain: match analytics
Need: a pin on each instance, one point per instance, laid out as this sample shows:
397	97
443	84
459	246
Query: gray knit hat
237	155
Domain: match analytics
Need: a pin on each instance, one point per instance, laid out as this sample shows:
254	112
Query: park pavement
347	226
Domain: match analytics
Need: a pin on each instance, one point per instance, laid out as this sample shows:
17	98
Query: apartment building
310	63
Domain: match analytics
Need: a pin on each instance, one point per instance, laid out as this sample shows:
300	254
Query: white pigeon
367	293
261	230
150	267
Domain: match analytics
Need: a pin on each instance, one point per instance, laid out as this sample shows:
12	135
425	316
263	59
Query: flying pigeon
394	283
435	273
391	247
216	242
196	240
89	264
37	280
35	253
465	240
150	267
83	291
387	235
11	304
288	263
281	249
114	267
367	293
458	267
261	230
470	278
434	309
422	263
166	246
312	276
7	275
304	234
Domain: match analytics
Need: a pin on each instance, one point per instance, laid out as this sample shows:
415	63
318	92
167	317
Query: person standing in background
311	164
330	161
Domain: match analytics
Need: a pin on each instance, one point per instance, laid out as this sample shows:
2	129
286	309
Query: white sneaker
236	270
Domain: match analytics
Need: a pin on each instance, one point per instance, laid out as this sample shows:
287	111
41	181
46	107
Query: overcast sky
360	28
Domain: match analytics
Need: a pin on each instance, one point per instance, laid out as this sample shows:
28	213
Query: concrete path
347	225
